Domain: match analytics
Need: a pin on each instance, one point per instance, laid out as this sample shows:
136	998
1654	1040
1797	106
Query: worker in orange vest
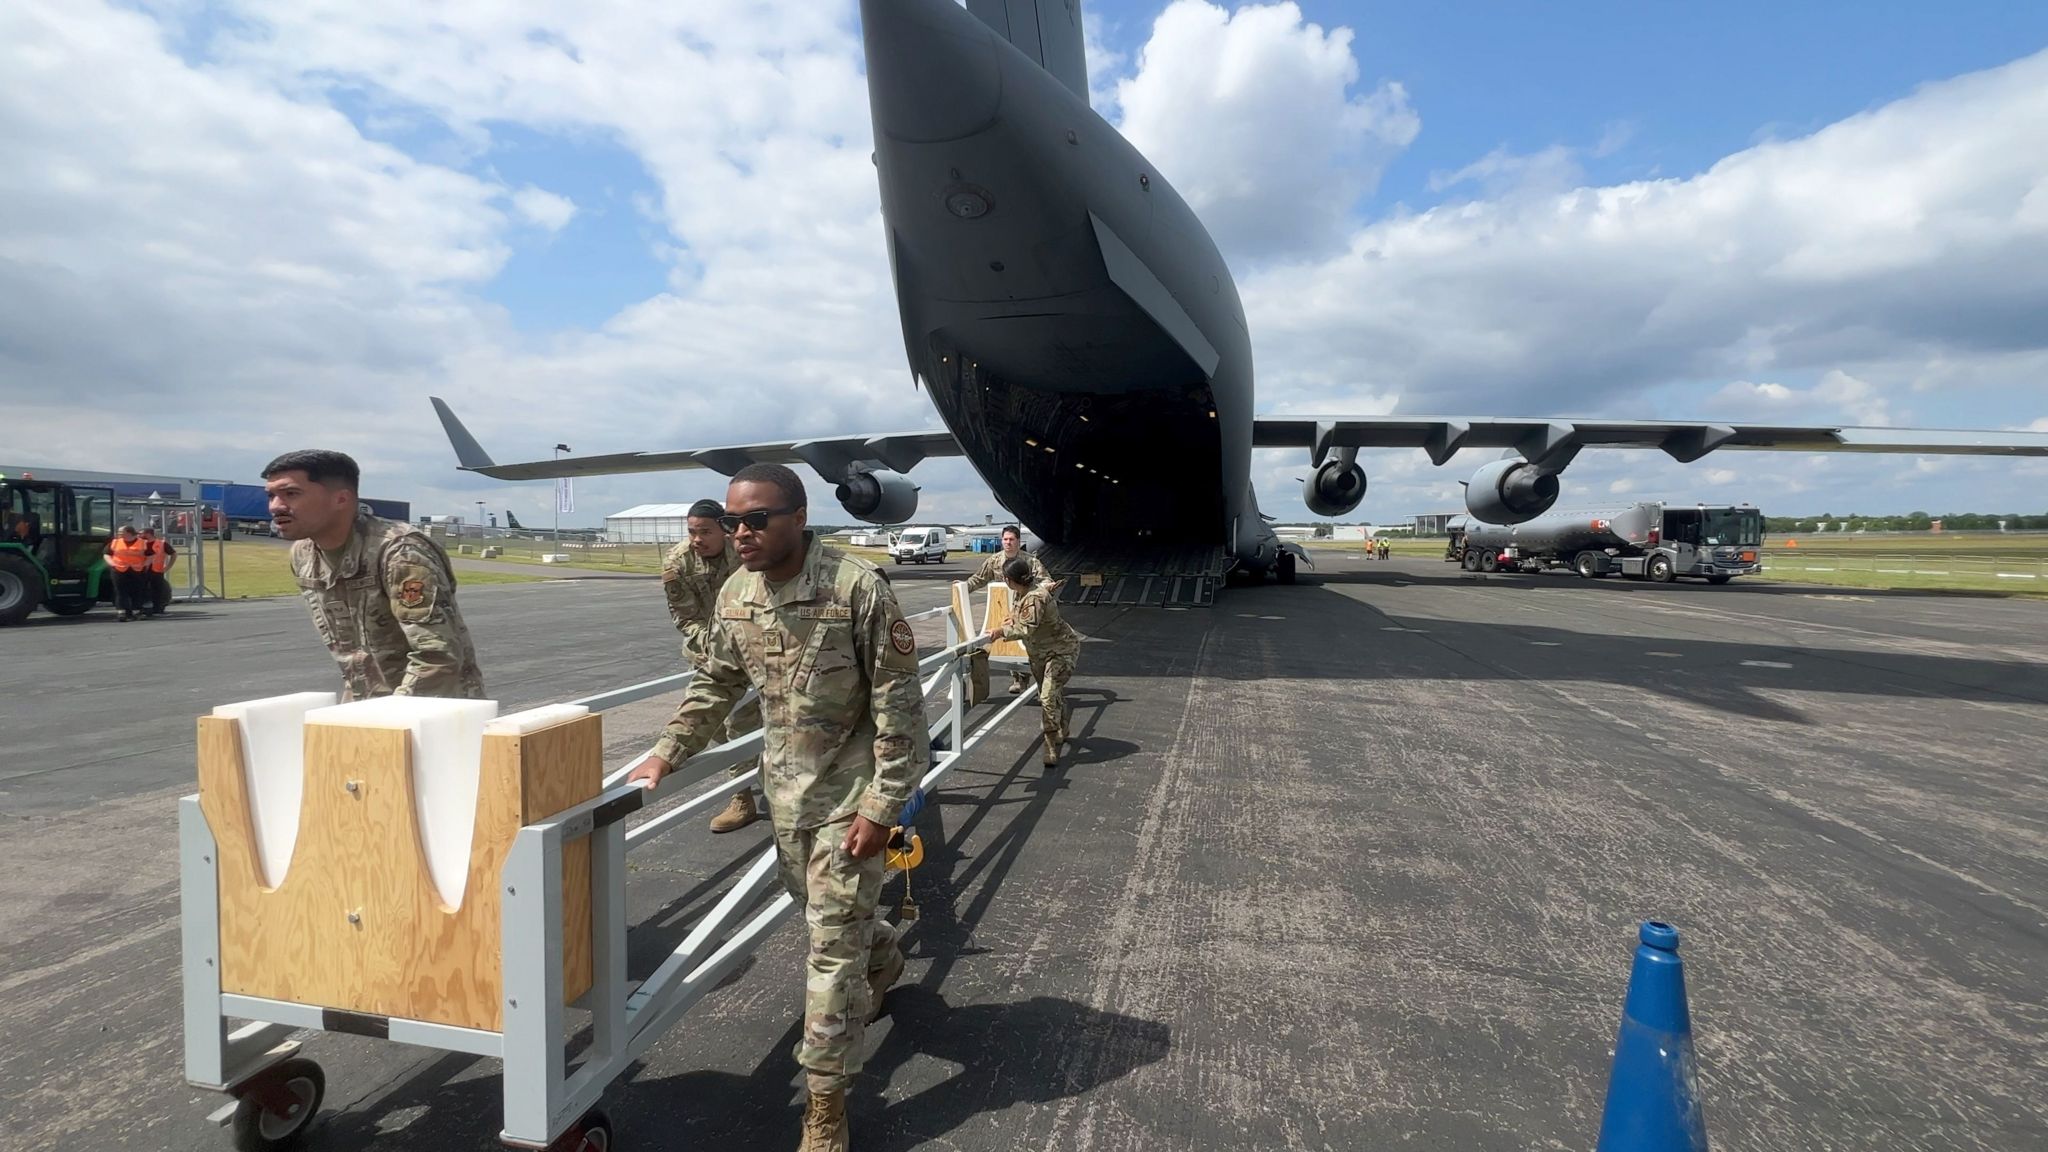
161	557
128	557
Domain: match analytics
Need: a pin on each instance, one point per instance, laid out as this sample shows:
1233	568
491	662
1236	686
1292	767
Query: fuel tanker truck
1649	540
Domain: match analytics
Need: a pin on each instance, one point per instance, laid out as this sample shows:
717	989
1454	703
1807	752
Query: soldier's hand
865	838
649	771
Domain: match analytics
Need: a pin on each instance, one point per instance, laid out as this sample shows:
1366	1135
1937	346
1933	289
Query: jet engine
1510	491
1336	488
877	495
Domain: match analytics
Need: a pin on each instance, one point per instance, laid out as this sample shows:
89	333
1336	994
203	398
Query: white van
919	545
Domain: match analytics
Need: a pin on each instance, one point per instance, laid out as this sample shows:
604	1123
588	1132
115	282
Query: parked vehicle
1650	540
919	546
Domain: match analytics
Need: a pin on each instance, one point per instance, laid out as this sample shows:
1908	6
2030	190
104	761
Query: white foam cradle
431	872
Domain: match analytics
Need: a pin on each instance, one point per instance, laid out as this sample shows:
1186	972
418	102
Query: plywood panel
359	852
963	617
997	616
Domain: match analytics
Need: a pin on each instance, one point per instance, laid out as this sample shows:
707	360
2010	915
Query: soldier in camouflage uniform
382	594
991	570
1052	645
844	744
691	576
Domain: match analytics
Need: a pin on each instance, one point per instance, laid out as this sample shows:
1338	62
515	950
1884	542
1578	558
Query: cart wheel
275	1108
593	1133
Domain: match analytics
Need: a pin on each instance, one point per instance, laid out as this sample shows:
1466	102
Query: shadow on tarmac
1313	632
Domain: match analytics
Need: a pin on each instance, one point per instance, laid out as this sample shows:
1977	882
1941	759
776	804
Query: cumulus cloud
543	208
1898	244
1253	117
1836	394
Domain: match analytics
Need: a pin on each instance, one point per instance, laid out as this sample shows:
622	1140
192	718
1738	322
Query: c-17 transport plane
1082	338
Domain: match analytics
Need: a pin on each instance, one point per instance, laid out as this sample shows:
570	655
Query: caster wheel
593	1133
273	1110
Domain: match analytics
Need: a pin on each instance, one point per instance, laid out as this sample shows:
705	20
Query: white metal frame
543	1095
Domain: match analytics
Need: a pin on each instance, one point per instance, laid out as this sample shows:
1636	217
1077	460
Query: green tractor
53	539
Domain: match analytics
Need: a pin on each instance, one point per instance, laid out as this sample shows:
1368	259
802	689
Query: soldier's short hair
706	510
320	465
1012	530
1018	571
784	481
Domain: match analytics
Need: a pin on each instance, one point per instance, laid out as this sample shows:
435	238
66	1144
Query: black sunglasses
756	520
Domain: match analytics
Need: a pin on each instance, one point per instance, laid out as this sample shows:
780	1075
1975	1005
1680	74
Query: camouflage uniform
836	664
991	572
386	608
691	584
1052	644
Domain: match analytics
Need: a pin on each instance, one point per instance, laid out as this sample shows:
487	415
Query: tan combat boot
825	1122
738	814
880	981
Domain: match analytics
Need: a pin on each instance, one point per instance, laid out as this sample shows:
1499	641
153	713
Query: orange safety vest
159	556
127	555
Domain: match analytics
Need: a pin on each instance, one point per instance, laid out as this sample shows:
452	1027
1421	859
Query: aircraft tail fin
1048	31
468	453
512	522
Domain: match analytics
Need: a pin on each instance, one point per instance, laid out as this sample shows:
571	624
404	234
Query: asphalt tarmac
1355	863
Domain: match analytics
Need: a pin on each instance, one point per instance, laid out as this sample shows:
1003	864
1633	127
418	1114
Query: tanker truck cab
920	546
1714	543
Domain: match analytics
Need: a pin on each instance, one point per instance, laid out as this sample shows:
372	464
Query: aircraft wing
1685	441
900	451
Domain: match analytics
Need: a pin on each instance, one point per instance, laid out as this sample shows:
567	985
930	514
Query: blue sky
1637	90
1688	83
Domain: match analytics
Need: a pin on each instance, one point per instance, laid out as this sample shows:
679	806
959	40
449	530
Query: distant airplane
1083	342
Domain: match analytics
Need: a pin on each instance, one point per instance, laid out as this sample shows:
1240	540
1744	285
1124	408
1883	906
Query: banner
565	495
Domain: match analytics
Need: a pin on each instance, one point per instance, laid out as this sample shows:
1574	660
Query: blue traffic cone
1653	1093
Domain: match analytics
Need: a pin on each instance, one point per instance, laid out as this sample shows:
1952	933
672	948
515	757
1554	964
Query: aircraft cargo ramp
1140	575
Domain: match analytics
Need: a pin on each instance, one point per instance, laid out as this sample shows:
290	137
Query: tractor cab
52	537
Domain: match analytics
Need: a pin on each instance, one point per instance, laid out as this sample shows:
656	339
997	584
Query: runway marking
1672	655
1765	664
1546	644
1418	631
2016	576
1272	617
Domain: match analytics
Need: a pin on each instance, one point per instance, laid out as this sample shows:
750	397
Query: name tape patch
825	612
734	614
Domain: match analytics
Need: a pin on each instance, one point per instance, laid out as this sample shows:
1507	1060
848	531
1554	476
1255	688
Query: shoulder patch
670	576
901	638
413	592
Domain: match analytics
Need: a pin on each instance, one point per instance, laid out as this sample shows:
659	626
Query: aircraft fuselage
1067	313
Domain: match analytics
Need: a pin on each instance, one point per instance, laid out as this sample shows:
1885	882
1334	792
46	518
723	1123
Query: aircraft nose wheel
274	1109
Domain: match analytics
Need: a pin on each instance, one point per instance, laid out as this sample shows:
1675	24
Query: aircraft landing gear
1283	568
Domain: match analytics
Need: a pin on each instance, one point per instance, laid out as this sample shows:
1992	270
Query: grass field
644	558
258	568
2014	564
